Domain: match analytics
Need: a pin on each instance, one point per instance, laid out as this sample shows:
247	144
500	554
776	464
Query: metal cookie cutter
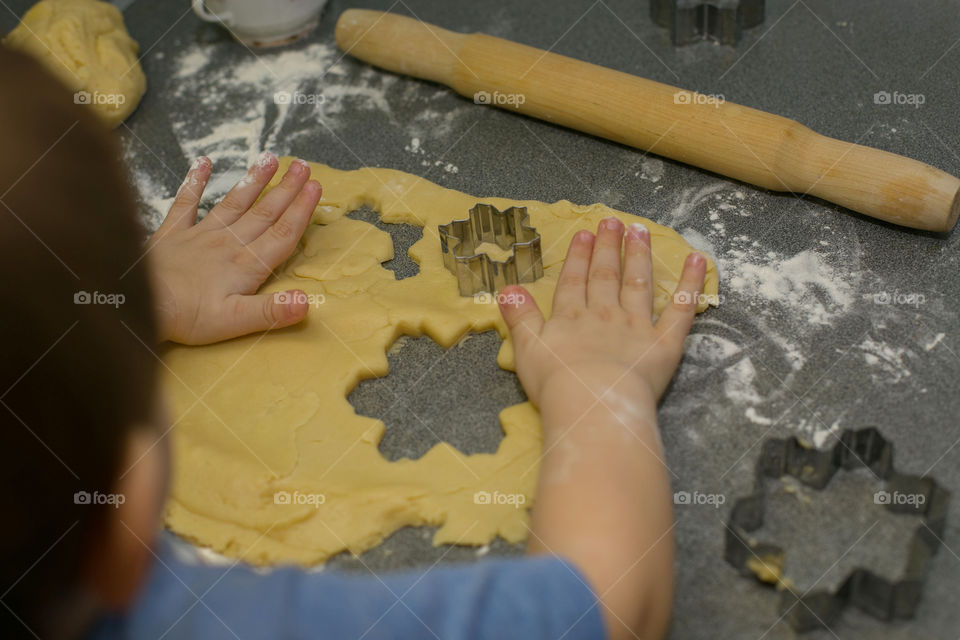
478	272
695	20
882	598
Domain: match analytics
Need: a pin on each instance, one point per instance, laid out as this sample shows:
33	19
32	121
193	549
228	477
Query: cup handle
203	13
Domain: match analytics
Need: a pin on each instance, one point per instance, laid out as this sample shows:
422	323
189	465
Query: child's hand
205	275
596	369
601	331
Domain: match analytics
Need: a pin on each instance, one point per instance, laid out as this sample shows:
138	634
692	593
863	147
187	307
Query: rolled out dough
271	462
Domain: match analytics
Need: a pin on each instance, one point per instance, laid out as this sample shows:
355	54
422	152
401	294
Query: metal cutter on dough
478	272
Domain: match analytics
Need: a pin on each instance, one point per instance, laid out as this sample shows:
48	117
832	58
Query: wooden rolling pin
743	143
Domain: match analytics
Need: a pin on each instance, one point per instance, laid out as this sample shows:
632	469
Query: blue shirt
526	598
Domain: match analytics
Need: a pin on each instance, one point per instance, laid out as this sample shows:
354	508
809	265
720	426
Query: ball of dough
85	43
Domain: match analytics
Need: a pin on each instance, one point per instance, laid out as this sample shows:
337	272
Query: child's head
77	380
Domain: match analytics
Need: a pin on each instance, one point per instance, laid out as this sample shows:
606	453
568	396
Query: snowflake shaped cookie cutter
477	272
878	596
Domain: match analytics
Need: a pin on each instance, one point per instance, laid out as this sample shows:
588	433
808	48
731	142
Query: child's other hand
205	274
601	332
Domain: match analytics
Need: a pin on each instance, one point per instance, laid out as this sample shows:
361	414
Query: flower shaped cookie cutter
477	272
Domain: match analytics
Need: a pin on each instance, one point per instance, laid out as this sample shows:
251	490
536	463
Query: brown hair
75	376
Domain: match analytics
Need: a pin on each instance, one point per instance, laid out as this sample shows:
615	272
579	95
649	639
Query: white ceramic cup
259	22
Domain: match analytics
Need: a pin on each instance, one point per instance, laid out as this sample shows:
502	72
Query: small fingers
571	292
678	316
263	214
636	289
183	212
521	313
603	284
279	240
250	314
244	193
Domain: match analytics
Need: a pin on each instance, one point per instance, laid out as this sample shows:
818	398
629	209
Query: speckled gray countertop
829	320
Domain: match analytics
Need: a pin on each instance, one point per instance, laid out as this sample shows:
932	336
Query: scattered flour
739	385
416	148
448	167
710	348
190	63
804	284
232	114
153	196
792	353
701	243
755	417
651	169
440	122
790	297
937	339
816	432
734	363
268	102
809	286
691	199
886	362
